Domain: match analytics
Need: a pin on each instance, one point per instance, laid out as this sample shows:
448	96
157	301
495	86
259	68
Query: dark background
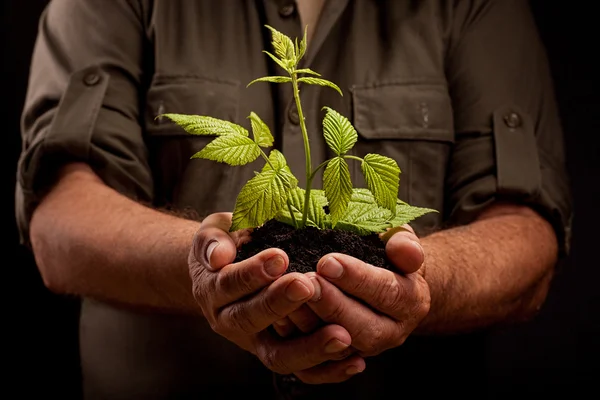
556	354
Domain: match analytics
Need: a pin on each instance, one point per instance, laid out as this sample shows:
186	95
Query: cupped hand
378	307
242	300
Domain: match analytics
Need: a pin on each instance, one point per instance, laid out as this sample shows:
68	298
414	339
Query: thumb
212	245
404	250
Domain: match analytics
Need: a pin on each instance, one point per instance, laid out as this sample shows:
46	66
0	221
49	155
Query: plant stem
354	158
312	174
306	149
262	153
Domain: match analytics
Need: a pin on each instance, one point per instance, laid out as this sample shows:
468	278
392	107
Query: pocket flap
418	111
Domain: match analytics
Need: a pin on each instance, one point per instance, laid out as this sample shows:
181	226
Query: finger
305	319
371	332
333	371
284	327
405	252
212	245
253	314
394	295
241	279
285	356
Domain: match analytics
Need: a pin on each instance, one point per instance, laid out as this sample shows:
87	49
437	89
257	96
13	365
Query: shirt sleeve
82	101
509	139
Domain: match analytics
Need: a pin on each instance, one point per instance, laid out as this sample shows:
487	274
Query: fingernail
210	248
297	291
419	247
275	266
353	370
331	268
317	295
335	346
281	322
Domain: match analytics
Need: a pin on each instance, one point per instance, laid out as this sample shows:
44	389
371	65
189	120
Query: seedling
273	193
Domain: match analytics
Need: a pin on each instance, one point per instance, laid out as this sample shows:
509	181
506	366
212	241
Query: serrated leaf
359	211
382	176
307	71
319	195
272	79
339	133
278	61
364	218
279	163
230	149
316	215
260	130
302	48
262	197
406	213
283	45
204	125
338	187
320	82
362	195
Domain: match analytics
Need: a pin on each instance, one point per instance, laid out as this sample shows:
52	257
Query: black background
556	354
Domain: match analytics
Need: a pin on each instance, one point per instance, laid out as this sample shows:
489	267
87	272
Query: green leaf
319	195
364	219
204	125
307	71
406	213
273	79
382	176
339	133
278	61
283	45
265	195
338	187
320	82
316	215
230	149
278	163
362	195
260	130
303	43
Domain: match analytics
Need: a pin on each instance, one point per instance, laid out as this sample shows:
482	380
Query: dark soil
306	246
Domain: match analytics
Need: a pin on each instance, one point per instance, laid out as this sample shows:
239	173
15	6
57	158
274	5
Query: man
457	92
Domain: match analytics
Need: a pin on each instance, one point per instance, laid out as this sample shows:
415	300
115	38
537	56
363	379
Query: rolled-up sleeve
82	102
509	139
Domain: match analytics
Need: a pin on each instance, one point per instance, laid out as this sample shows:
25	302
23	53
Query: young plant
273	193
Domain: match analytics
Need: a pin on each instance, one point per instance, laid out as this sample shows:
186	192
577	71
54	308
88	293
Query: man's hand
241	300
379	308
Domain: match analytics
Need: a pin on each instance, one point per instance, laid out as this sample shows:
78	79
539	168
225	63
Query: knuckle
372	339
334	314
239	319
199	283
270	359
362	281
235	280
389	294
270	309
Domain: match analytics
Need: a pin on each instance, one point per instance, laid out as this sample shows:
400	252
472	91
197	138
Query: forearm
91	241
495	270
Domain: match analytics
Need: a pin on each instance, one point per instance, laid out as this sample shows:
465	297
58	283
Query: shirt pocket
181	182
411	122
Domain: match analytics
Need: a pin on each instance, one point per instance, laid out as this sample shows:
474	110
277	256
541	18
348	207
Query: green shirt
457	92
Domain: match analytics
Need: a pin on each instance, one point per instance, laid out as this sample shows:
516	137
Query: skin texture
89	240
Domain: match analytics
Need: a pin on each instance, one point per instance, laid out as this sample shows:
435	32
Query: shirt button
293	115
287	10
91	79
512	120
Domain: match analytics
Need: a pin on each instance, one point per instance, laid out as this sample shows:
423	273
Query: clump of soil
306	246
